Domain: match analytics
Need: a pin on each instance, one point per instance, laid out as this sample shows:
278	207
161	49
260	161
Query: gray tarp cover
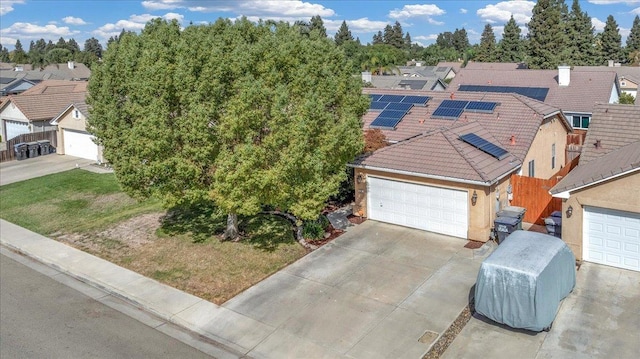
523	281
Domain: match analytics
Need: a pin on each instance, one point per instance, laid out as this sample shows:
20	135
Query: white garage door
15	128
612	237
434	209
80	144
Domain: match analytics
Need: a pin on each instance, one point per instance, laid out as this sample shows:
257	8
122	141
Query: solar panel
536	93
484	145
416	100
399	106
391	98
448	113
377	105
385	123
392	113
454	104
374	97
480	106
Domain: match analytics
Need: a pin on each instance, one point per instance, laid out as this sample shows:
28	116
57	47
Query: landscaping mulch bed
473	244
441	345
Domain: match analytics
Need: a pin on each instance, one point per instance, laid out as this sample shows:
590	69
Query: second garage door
15	128
80	144
612	237
434	209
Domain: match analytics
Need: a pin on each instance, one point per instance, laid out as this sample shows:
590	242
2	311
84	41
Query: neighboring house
574	91
32	110
441	72
628	76
448	166
454	66
15	79
432	83
73	138
601	196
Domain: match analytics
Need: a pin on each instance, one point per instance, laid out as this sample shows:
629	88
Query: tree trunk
231	233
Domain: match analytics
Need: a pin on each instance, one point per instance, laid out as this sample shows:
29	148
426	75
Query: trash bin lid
520	210
32	143
508	213
511	221
556	214
43	141
553	221
21	144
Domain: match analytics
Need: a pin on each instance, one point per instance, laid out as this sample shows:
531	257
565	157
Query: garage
430	208
15	128
79	144
612	238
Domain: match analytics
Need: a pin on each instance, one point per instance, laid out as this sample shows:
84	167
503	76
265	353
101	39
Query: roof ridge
456	145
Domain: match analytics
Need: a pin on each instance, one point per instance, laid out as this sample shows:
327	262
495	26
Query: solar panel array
481	106
484	145
536	93
452	109
393	108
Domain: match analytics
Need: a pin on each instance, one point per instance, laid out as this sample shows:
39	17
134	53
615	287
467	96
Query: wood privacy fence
533	194
9	155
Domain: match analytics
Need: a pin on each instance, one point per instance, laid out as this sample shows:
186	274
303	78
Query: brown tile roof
48	99
431	146
585	87
614	126
57	86
501	66
630	72
619	161
515	115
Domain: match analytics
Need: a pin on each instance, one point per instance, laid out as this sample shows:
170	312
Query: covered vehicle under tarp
523	281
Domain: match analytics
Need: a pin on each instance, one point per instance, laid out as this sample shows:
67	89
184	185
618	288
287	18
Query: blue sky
28	20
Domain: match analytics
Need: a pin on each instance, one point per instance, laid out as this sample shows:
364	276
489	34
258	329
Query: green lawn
179	247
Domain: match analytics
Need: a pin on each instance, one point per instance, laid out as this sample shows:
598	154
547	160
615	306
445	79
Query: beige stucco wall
67	121
481	215
621	194
552	131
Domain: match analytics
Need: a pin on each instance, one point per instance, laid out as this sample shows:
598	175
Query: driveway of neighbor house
378	291
16	171
599	319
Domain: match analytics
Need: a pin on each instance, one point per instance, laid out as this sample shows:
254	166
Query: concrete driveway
377	291
599	319
16	171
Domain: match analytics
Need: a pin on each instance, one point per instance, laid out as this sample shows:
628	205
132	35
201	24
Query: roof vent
512	141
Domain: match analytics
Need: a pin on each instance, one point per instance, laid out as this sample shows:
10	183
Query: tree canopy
511	44
546	35
244	114
487	51
580	48
611	41
343	34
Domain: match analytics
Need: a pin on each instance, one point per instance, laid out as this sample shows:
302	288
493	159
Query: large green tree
611	41
487	50
343	34
547	39
633	40
580	48
511	47
4	54
182	118
18	55
317	24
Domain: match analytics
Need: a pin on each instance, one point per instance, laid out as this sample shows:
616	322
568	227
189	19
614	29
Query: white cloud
609	2
73	20
464	11
365	25
598	24
420	11
250	8
502	11
422	40
636	11
434	22
134	23
25	31
6	6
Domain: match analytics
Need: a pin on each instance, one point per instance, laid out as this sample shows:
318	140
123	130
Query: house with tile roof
601	196
15	79
573	90
73	138
32	110
628	77
431	83
447	169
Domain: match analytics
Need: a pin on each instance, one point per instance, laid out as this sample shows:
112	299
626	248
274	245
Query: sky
29	20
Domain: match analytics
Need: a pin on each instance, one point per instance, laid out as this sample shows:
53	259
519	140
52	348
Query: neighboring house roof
56	86
629	72
621	161
47	99
429	146
500	66
613	126
584	90
406	82
455	66
80	106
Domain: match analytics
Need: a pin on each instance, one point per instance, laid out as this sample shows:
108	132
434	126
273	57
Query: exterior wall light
569	212
359	178
474	198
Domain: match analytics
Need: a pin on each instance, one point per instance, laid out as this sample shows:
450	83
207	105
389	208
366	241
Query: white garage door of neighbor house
433	209
80	144
15	128
612	237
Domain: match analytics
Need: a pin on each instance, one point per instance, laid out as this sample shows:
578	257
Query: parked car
522	283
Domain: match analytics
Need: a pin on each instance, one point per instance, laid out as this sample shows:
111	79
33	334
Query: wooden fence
533	194
8	154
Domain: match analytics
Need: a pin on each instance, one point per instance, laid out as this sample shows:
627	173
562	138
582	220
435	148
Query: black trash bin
20	150
32	149
554	226
45	147
505	226
514	212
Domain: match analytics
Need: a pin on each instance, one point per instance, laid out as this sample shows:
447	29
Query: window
532	168
581	121
76	114
553	156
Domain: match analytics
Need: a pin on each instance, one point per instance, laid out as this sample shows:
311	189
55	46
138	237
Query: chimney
610	63
70	65
564	75
366	76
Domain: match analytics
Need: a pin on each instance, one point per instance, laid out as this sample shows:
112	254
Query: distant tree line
42	53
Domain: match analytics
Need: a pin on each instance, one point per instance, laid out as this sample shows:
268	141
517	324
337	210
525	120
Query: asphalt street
42	318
